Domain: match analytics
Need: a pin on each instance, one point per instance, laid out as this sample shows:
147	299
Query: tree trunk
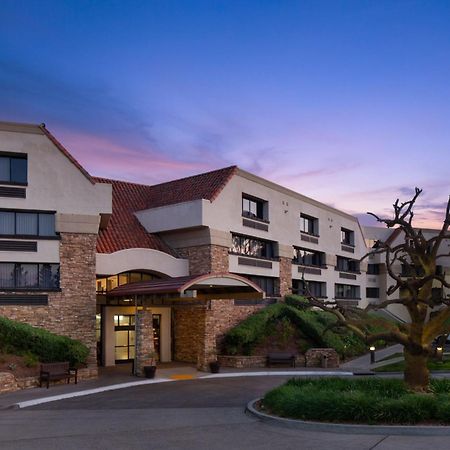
416	374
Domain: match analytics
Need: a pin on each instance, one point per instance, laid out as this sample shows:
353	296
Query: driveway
194	414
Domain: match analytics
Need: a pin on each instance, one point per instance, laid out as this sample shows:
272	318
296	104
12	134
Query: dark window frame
263	283
372	292
268	245
373	269
347	237
144	276
356	295
350	265
301	260
39	288
321	285
38	213
262	208
313	225
15	156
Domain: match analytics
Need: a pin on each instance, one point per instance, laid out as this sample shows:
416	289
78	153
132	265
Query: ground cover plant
36	344
314	328
367	400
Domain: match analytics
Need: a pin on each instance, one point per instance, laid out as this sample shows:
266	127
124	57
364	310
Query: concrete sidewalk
362	364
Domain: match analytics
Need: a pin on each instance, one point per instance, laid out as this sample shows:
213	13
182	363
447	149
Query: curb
398	430
112	387
304	373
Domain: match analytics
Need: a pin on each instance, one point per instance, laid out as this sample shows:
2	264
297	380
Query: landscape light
372	354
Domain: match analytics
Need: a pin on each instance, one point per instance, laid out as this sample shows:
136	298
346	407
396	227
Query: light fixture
372	354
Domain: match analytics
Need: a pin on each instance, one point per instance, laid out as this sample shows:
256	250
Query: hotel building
127	267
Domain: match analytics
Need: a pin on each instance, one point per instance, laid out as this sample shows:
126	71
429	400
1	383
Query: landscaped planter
242	362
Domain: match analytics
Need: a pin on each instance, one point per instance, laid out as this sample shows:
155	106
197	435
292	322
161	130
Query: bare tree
429	315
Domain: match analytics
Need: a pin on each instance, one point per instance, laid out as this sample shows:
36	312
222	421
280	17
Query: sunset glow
348	103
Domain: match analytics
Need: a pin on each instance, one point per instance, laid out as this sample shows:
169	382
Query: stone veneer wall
285	280
144	340
206	258
70	312
189	332
198	330
225	315
314	357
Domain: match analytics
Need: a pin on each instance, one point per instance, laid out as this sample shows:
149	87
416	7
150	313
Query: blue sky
345	101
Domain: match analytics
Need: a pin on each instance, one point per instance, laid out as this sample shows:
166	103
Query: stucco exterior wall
141	259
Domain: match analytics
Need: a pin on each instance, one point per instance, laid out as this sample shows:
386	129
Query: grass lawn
400	366
369	401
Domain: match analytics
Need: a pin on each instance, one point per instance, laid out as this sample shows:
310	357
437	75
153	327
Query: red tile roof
124	229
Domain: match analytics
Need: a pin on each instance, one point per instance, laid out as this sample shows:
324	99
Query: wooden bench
280	358
57	371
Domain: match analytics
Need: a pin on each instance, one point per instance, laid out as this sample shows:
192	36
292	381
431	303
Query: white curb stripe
303	373
113	387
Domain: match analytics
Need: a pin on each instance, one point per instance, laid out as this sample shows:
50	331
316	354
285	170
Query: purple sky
344	101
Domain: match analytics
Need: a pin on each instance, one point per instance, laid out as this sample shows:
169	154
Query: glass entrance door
124	335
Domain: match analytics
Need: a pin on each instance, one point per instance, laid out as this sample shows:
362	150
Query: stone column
144	339
285	275
208	346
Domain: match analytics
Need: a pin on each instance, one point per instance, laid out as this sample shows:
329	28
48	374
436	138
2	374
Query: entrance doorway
125	337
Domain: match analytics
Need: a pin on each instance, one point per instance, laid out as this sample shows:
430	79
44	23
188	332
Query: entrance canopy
198	287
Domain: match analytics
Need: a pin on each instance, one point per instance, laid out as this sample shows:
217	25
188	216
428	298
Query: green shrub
317	327
359	401
297	301
30	360
47	347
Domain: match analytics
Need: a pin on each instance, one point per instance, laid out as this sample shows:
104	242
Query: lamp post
372	354
439	353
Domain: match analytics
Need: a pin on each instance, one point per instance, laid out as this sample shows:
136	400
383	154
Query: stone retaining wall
9	383
315	358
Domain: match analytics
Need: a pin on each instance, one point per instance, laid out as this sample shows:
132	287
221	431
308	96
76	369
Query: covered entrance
172	317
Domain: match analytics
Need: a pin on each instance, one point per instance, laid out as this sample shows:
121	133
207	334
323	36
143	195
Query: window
307	257
347	237
409	271
347	264
254	208
347	291
13	169
315	288
23	223
106	284
267	284
31	276
309	225
372	292
245	245
373	269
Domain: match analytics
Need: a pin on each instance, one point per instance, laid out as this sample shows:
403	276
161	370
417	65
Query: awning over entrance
198	287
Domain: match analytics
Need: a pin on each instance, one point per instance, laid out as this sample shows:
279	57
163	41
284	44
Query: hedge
20	338
384	401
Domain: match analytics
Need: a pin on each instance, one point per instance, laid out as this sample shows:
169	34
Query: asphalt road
196	414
